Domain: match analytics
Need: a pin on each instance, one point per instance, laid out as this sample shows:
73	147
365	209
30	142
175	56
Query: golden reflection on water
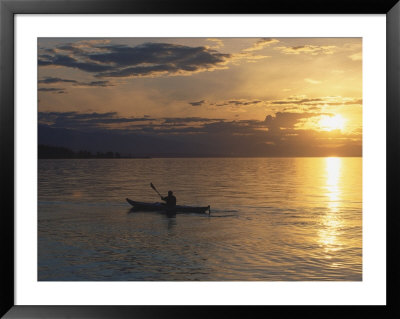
272	219
333	176
331	221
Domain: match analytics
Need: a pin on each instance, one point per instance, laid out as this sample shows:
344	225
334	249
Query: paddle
155	189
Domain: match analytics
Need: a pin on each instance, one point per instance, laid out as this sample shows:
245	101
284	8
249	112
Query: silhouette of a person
170	200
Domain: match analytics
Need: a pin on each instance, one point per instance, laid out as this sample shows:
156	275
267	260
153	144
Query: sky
202	96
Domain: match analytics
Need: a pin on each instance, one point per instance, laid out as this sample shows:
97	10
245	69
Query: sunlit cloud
218	43
297	103
261	44
298	100
307	49
248	57
239	102
311	81
286	120
356	56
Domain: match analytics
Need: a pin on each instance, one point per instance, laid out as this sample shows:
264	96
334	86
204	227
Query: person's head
169	193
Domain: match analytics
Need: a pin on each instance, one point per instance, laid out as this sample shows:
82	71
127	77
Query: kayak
163	207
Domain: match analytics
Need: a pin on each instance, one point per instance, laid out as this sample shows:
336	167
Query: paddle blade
152	186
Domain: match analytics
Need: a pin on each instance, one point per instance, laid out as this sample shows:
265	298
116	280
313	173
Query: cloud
247	57
71	62
49	89
292	102
286	120
354	101
94	84
87	121
52	80
307	49
343	101
52	90
356	56
297	100
145	60
303	100
198	103
207	127
239	102
173	125
311	81
80	47
295	104
260	44
148	59
189	120
218	43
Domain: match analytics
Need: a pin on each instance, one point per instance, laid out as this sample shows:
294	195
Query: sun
330	123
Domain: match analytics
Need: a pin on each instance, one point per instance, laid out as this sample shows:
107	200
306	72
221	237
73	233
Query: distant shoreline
56	152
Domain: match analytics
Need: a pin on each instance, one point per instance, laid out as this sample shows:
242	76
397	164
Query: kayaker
170	200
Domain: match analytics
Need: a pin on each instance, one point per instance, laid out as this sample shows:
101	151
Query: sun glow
330	123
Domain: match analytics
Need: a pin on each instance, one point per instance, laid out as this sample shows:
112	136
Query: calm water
272	219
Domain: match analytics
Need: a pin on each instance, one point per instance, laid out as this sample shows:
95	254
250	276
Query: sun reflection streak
333	171
331	221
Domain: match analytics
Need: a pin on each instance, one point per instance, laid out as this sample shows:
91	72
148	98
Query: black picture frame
9	8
